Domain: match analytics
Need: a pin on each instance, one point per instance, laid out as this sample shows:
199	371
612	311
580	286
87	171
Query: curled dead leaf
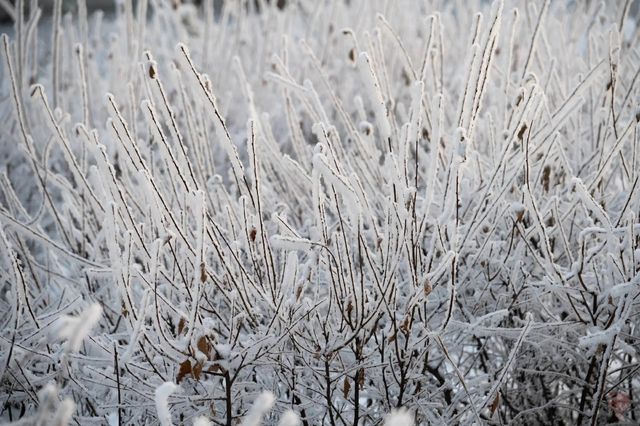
185	369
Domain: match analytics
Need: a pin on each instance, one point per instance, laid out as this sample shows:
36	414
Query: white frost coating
75	329
400	417
151	115
321	132
362	203
492	316
598	337
449	209
416	110
289	418
290	243
221	130
202	421
142	316
199	211
313	94
162	402
590	203
517	208
261	406
506	368
151	199
408	195
321	163
432	160
362	265
340	183
224	350
622	289
112	418
19	295
111	235
290	269
51	411
462	143
614	49
372	87
63	414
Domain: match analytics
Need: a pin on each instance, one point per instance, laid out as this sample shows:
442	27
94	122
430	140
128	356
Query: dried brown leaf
521	131
181	325
204	346
427	287
197	371
360	377
495	403
185	369
346	387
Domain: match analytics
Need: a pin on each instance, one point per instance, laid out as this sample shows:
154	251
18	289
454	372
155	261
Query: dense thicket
334	209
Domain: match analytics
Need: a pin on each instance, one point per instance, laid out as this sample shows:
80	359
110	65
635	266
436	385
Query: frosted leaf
75	329
162	394
260	407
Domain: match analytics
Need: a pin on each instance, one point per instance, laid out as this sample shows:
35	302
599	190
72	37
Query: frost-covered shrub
337	212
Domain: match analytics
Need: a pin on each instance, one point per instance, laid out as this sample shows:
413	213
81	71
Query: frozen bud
427	287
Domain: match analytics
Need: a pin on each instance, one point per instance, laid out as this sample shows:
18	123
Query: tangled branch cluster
332	209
